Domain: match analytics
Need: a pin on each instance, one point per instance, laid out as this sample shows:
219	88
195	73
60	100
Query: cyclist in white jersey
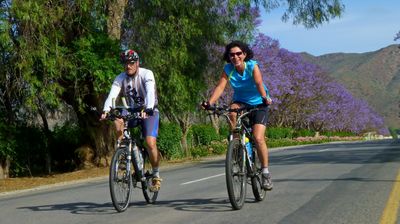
138	82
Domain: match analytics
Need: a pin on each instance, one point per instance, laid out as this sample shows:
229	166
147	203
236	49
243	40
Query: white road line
205	178
323	150
290	157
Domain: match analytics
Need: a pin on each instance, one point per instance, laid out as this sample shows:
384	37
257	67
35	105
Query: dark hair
244	47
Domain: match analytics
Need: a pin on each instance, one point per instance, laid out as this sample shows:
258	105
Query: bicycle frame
239	166
241	128
129	152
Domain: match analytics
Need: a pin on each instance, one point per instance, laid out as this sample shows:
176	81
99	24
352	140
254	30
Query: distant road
329	184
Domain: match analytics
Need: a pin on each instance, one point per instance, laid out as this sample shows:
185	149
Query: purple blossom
305	97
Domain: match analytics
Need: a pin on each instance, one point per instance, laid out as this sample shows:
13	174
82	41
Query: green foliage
219	148
274	143
199	151
175	44
337	133
31	147
216	148
169	139
394	132
280	132
304	133
97	58
224	132
7	141
203	134
66	139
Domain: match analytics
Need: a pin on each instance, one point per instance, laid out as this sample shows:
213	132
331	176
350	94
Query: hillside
372	76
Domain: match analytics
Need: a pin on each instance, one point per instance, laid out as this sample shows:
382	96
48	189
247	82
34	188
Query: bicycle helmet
129	56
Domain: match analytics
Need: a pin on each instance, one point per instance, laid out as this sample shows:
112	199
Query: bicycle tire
149	196
256	182
120	180
235	173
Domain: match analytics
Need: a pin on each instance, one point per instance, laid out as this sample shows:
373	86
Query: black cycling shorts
259	116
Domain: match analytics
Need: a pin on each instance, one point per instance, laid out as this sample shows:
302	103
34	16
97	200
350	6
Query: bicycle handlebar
221	110
125	113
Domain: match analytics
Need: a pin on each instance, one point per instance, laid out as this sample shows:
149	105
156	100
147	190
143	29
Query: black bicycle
130	163
242	164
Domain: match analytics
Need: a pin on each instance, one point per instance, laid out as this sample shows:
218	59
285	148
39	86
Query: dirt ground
14	184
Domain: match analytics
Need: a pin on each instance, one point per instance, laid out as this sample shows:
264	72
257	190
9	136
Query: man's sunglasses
235	53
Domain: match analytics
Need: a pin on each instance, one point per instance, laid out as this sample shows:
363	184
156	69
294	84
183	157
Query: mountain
372	76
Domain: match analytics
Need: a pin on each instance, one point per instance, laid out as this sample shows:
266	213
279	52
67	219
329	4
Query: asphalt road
330	183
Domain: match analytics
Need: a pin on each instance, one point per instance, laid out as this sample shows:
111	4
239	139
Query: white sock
156	172
265	170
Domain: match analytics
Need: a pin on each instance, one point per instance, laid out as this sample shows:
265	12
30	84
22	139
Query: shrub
199	151
337	133
279	132
169	140
66	139
31	148
303	133
223	132
219	148
203	134
7	141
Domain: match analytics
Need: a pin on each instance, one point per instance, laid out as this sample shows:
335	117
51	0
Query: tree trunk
43	114
116	11
184	123
215	122
4	168
101	137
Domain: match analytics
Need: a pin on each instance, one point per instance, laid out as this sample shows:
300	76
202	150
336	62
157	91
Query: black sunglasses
235	53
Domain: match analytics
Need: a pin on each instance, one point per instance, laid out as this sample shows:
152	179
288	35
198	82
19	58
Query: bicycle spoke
120	180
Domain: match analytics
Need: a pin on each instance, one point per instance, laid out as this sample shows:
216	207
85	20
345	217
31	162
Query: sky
365	26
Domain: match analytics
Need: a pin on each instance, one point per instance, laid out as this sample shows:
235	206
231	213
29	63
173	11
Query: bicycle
123	176
242	162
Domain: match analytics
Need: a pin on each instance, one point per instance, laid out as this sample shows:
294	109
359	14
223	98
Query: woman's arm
260	85
219	89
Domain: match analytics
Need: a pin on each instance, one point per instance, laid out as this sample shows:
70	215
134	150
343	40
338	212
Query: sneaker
267	182
156	184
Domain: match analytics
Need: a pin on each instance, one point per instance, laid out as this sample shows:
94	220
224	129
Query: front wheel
256	181
120	180
235	173
150	196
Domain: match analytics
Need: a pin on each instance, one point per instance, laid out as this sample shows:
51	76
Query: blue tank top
244	87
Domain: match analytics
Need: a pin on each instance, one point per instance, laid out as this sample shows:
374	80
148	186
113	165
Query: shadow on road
88	208
205	205
196	204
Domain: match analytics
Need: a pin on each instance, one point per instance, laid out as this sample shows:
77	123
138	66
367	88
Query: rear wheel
235	173
150	196
256	182
120	180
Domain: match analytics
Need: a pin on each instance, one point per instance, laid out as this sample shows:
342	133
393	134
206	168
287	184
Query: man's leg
119	126
153	153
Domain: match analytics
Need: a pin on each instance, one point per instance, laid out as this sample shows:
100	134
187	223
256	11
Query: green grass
218	148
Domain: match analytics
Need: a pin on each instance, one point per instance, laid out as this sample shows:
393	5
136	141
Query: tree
57	53
305	97
174	44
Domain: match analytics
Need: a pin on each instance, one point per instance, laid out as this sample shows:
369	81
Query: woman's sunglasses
235	53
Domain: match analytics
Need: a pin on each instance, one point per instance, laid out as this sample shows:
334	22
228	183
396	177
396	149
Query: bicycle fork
246	153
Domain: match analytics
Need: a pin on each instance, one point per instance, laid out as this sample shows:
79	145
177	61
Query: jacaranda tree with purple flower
305	97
